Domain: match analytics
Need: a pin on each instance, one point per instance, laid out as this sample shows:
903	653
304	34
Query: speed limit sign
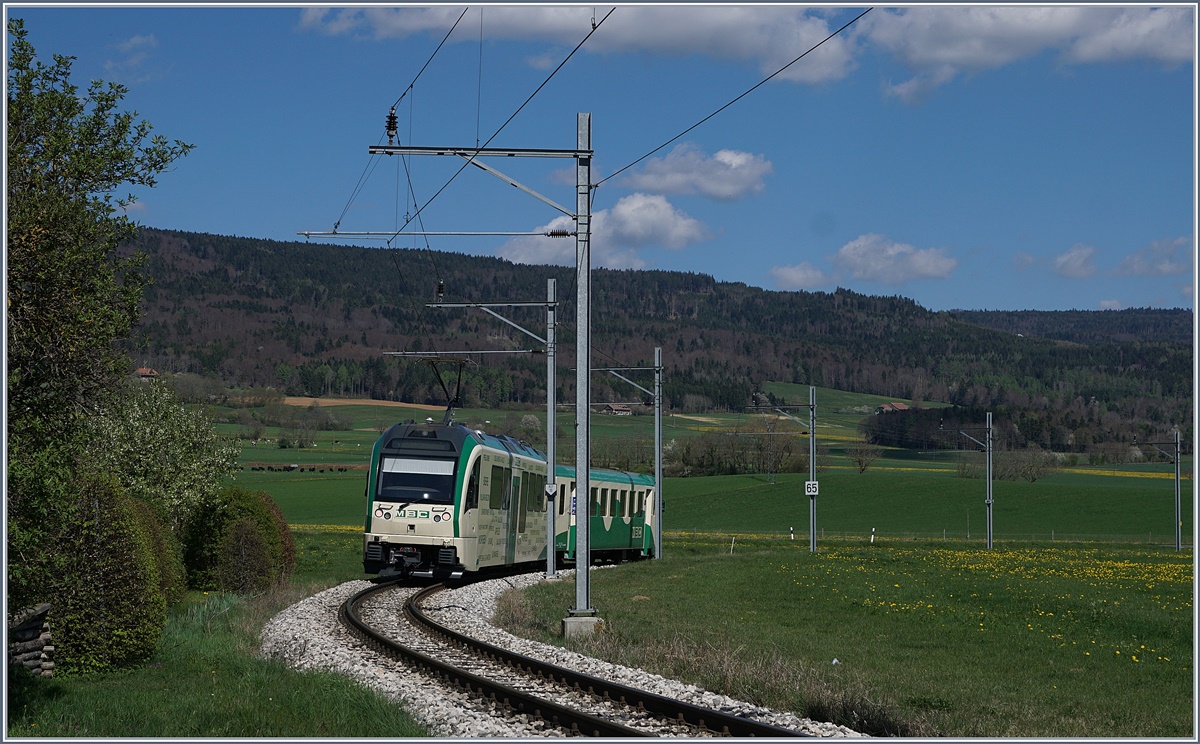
810	488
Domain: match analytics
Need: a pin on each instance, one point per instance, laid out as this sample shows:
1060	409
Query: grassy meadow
1078	623
929	638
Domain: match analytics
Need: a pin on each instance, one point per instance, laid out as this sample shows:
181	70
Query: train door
512	518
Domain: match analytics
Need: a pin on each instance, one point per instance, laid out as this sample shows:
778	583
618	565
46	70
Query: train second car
444	499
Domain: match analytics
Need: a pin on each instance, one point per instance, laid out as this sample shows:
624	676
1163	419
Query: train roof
431	438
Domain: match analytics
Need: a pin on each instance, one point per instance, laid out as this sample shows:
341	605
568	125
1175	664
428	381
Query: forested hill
316	319
1089	326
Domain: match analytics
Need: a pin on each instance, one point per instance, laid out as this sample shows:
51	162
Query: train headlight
379	512
437	517
387	515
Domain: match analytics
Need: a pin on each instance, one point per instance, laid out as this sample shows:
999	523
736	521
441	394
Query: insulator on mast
391	125
441	290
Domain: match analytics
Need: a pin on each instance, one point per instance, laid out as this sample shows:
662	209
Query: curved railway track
520	686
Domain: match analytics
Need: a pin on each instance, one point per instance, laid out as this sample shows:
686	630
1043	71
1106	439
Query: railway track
390	619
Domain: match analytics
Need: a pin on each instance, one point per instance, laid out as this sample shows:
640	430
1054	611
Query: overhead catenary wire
417	215
431	56
719	110
508	120
740	97
373	162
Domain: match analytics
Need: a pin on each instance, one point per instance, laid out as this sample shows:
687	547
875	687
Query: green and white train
444	500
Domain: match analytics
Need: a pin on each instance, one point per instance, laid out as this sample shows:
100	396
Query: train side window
472	500
595	501
524	507
500	478
626	511
562	498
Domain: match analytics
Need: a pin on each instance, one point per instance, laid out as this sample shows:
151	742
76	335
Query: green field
903	493
1084	603
930	638
1078	623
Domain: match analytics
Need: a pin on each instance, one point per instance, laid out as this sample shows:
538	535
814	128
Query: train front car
414	492
443	499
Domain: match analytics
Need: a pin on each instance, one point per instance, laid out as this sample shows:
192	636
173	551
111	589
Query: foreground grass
930	639
207	681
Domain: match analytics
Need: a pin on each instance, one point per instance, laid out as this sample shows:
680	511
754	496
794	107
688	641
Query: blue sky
976	157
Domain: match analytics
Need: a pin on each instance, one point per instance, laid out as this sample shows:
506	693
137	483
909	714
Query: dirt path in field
305	402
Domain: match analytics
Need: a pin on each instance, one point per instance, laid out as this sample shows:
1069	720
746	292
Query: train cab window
472	499
499	490
410	480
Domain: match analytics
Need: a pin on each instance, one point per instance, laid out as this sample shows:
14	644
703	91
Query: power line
372	163
431	56
735	100
506	122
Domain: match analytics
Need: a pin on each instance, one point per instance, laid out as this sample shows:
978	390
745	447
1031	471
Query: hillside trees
274	306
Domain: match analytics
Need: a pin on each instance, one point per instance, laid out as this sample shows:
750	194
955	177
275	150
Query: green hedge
108	609
166	550
238	543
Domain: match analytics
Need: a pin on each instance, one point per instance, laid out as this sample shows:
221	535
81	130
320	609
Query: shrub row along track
524	687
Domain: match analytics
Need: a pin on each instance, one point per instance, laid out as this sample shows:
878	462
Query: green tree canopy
70	296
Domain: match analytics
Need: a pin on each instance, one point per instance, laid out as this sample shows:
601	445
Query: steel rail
511	700
714	721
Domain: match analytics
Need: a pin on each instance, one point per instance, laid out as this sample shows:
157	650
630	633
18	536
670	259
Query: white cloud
801	276
1022	260
727	175
768	37
874	258
1160	258
1076	263
1111	305
939	42
133	65
636	221
1160	34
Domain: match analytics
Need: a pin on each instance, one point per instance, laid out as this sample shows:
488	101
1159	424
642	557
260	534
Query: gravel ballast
307	635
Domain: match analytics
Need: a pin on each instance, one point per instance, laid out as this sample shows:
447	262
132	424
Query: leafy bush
189	457
240	542
166	551
108	610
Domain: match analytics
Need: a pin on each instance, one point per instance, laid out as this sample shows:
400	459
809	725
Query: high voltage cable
722	108
417	215
506	123
372	163
735	100
431	56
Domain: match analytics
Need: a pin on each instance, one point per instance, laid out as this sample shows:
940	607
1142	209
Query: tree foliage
70	295
162	452
239	542
312	320
109	608
76	537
